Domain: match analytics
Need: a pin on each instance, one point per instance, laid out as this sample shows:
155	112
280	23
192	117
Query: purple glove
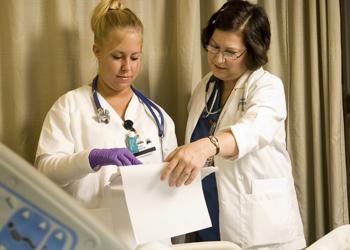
112	156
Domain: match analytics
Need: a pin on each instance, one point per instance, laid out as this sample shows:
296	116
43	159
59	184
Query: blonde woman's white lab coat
71	130
258	206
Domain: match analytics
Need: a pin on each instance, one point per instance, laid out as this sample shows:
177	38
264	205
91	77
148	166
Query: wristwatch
214	140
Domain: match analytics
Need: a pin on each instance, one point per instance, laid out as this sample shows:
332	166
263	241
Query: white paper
158	211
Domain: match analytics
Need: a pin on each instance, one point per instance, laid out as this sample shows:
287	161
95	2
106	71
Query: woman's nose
126	65
219	57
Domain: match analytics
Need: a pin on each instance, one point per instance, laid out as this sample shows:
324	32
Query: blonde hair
110	14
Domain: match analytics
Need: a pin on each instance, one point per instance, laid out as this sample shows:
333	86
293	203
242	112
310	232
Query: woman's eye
132	58
117	57
230	53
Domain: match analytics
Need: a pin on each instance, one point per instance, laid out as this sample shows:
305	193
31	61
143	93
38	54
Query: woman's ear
96	50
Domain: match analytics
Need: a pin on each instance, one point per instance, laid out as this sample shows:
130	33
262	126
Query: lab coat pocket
269	213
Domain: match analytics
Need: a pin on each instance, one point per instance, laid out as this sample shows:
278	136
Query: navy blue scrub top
205	127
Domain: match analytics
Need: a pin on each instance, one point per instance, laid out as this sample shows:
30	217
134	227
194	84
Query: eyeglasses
228	55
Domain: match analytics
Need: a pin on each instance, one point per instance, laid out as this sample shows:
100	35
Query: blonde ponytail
109	14
114	5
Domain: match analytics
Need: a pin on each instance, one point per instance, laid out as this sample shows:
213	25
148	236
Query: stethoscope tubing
151	107
242	101
94	94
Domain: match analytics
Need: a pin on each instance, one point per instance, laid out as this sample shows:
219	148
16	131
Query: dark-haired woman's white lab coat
258	207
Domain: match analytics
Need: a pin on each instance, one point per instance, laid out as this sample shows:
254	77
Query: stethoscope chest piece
103	115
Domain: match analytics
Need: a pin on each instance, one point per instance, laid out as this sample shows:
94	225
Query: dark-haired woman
236	123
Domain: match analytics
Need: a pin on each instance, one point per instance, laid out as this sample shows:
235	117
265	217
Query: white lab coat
71	130
257	200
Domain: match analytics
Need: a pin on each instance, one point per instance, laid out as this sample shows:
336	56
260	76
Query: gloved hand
112	156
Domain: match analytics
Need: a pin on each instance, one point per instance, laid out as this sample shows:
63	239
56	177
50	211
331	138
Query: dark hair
249	19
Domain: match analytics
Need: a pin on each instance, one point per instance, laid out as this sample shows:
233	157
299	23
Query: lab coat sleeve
56	157
264	117
64	169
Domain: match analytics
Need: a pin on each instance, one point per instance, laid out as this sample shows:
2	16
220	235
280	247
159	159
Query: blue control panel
23	226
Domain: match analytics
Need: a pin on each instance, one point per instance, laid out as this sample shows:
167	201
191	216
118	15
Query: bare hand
185	162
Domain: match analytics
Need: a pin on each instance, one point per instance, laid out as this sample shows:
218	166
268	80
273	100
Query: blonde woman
90	131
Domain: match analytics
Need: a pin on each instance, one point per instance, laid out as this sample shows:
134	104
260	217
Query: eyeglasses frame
215	50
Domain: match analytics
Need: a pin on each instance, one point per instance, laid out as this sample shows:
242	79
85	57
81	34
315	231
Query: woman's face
227	55
119	58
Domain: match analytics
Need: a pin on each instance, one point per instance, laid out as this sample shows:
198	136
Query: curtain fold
307	56
46	50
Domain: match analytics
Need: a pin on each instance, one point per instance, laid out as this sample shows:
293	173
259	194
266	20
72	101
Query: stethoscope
209	110
103	115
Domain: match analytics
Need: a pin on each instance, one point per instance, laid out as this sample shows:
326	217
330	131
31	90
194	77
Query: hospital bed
37	214
337	239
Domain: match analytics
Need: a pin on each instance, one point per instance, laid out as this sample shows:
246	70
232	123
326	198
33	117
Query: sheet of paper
158	211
